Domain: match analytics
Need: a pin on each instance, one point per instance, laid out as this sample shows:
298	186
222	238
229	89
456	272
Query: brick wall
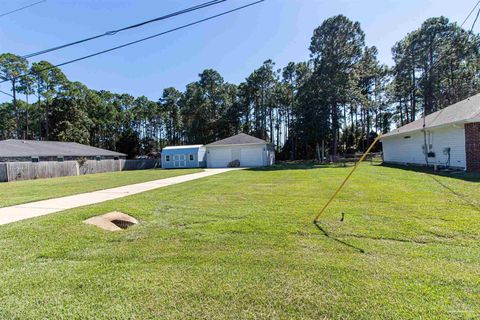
472	146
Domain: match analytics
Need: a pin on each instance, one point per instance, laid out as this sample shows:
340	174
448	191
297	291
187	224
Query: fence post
7	173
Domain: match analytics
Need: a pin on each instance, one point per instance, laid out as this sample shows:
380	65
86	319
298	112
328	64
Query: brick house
450	138
35	151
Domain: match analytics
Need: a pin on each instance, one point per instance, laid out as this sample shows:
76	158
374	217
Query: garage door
251	157
219	158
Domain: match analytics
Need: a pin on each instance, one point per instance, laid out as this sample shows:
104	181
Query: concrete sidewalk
44	207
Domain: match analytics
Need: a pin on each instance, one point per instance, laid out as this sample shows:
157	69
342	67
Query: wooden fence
3	172
16	171
140	164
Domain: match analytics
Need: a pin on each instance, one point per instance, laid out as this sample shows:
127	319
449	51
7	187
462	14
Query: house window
167	158
191	157
406	137
116	158
35	159
98	158
60	158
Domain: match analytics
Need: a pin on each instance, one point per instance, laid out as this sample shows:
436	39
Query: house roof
29	148
193	146
241	138
464	111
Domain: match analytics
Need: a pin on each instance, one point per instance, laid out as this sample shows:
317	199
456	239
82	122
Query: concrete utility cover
112	221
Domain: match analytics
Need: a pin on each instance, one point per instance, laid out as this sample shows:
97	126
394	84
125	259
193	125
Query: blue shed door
179	161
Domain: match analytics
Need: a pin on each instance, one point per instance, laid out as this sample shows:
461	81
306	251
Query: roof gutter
451	124
238	144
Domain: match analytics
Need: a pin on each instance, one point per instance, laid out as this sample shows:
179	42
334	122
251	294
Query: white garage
248	150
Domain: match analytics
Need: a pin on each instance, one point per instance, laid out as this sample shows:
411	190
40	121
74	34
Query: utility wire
424	116
446	56
137	41
114	32
473	9
8	94
19	9
461	25
475	21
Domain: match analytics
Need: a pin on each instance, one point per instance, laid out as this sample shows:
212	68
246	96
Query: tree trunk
17	117
26	121
413	102
323	150
47	126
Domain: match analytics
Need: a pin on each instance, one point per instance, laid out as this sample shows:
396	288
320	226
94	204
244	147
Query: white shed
248	150
451	137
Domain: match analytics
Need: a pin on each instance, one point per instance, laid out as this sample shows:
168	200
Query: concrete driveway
44	207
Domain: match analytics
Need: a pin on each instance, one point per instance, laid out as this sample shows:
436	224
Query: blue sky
234	45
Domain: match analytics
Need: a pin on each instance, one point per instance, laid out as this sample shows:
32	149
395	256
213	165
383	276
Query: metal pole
346	179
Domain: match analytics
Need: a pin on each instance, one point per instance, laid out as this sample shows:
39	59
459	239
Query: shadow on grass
307	166
326	234
462	197
466	176
288	166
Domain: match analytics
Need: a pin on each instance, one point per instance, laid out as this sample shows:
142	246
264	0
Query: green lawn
242	245
18	192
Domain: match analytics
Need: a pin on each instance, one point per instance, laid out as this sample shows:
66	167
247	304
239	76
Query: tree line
335	103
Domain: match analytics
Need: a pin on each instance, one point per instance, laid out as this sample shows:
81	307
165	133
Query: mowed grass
242	245
18	192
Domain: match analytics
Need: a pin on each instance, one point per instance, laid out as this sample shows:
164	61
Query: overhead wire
315	221
475	21
8	94
430	69
22	8
137	25
470	13
137	41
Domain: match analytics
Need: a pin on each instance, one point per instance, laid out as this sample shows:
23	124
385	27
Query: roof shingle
29	148
241	138
460	112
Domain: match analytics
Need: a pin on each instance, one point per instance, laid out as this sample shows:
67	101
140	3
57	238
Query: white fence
15	171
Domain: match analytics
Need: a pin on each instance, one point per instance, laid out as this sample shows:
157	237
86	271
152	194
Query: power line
424	116
113	32
440	58
414	86
473	9
475	21
8	94
138	41
27	6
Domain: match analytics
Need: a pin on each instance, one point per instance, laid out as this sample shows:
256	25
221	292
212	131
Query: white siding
248	155
398	149
218	157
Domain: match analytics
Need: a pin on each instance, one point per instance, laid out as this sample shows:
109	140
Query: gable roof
241	138
29	148
464	111
172	149
192	146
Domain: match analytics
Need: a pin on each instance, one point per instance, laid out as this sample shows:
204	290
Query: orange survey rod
348	177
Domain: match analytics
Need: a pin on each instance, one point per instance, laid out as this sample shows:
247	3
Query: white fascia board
238	144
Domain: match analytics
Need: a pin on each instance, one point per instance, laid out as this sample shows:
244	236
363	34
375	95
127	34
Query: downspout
425	151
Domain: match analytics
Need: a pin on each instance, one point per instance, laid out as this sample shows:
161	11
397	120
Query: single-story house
35	151
192	156
248	150
450	138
